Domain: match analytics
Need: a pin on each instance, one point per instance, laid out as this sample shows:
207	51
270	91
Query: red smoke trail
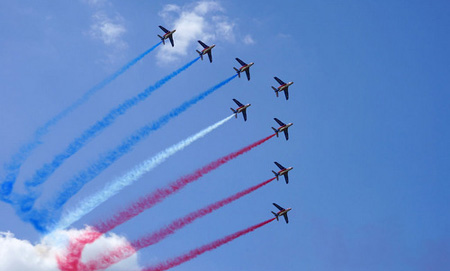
200	250
70	261
121	253
76	247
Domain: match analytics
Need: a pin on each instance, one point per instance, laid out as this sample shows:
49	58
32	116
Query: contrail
40	219
150	200
13	166
200	250
124	252
130	177
42	174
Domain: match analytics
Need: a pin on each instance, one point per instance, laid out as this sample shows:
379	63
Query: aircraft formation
284	87
48	218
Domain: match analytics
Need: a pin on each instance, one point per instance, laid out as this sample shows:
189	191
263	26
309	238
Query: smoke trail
41	218
126	251
152	199
25	150
162	193
200	250
70	261
42	174
130	177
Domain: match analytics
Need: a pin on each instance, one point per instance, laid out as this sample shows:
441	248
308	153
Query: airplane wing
278	206
241	62
279	81
286	218
280	166
244	113
210	56
247	71
286	93
163	29
286	177
237	102
203	44
171	40
279	122
286	134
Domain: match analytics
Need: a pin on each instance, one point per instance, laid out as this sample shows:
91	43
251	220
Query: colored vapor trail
14	165
123	252
42	174
40	219
160	194
149	201
130	177
200	250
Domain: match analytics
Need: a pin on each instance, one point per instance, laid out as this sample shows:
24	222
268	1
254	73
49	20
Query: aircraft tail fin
234	111
275	130
162	39
276	175
276	91
238	72
200	53
275	214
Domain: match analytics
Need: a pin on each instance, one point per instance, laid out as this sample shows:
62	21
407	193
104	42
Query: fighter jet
283	128
245	67
168	35
242	108
207	50
282	212
283	171
283	87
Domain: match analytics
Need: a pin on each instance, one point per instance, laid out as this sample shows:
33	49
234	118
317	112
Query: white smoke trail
130	177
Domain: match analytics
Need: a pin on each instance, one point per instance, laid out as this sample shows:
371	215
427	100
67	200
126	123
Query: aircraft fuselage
283	87
206	50
168	34
284	127
242	108
284	171
280	213
246	67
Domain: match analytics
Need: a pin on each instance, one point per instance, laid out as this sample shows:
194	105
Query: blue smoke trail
25	150
42	174
49	214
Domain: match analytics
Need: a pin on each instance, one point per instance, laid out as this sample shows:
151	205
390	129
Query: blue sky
369	144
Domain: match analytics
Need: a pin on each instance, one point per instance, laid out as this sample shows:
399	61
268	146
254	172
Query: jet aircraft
283	128
282	212
283	87
168	35
245	67
242	108
283	171
207	50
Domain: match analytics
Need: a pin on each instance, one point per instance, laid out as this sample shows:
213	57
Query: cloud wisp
203	20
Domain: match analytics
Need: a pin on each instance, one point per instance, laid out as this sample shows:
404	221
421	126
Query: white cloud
248	40
19	255
202	20
108	29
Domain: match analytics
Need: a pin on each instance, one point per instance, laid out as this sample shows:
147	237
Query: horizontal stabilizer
234	111
276	174
200	53
275	214
238	72
276	131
